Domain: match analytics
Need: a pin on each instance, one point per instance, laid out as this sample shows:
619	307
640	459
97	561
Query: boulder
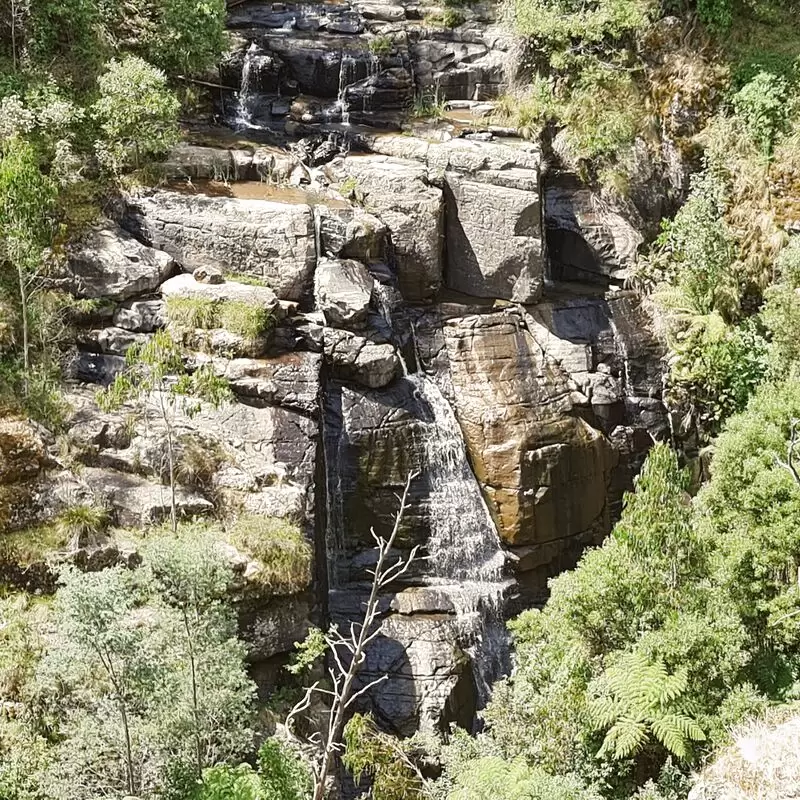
136	502
351	232
358	359
111	340
543	469
429	683
342	291
291	380
141	316
107	262
207	163
494	236
398	191
270	241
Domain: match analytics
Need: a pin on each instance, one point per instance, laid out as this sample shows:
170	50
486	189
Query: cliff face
454	311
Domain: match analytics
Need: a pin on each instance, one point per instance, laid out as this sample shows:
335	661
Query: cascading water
463	546
347	76
247	98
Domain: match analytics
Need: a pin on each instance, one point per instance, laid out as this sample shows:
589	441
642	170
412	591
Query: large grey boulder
494	237
399	193
358	359
214	163
262	239
137	502
291	380
108	262
350	232
342	291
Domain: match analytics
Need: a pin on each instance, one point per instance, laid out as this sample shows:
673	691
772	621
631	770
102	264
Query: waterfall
373	68
464	547
247	96
347	77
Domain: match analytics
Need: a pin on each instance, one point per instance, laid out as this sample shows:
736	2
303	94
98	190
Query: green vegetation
381	46
284	554
243	319
133	684
157	380
87	92
136	111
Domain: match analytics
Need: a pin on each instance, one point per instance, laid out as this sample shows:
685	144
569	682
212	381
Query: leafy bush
136	111
493	778
635	698
380	757
763	106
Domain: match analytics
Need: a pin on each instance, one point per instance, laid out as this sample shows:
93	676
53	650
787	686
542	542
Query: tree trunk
23	299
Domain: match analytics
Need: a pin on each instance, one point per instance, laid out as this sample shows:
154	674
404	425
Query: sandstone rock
588	240
356	358
382	12
223	343
494	237
271	241
430	683
141	316
269	629
351	233
398	191
185	285
291	380
544	471
108	262
342	291
112	340
215	163
137	502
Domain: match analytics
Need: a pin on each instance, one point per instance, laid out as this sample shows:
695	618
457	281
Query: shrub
136	111
81	524
763	105
284	554
192	312
380	46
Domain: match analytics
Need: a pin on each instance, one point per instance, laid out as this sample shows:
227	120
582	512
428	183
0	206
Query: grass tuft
280	547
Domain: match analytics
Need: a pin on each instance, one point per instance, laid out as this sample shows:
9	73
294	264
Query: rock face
398	192
494	239
431	325
270	241
110	263
589	240
543	468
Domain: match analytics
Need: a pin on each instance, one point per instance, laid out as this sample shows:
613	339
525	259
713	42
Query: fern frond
625	738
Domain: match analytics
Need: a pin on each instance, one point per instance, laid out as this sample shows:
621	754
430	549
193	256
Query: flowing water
247	100
348	71
464	548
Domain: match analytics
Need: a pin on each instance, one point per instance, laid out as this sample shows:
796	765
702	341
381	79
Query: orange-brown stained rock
544	470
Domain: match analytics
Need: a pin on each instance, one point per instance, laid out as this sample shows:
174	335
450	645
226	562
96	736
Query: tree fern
636	698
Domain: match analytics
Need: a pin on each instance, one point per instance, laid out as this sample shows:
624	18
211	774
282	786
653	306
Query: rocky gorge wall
448	307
